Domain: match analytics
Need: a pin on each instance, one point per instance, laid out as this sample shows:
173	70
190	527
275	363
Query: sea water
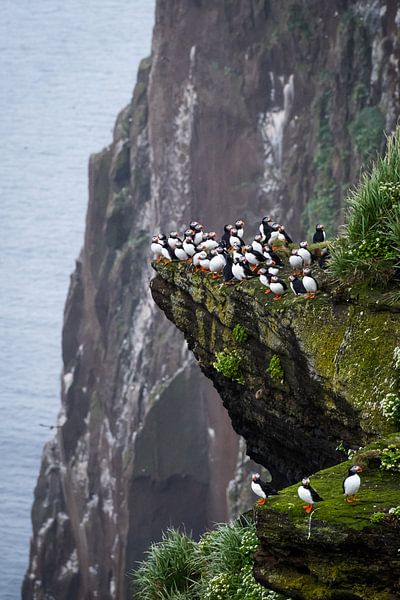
66	70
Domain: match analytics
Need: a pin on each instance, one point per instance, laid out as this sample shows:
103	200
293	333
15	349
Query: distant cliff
244	108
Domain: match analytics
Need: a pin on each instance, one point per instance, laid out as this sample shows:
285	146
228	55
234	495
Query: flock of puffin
231	259
351	485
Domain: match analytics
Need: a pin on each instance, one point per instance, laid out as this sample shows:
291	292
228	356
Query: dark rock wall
245	108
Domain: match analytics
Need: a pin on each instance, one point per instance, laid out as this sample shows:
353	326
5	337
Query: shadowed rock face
244	108
330	383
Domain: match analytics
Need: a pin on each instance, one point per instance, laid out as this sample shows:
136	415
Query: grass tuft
369	248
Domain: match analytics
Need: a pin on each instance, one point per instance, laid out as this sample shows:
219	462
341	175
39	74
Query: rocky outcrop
245	107
344	551
303	380
331	371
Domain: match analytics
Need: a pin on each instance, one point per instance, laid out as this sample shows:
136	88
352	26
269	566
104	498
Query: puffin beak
360	470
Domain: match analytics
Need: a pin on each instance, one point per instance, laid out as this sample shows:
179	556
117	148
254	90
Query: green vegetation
218	567
390	407
377	517
240	333
275	370
369	249
170	570
334	512
229	364
390	458
367	131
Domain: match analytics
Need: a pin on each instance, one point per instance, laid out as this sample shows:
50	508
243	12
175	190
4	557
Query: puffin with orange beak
351	483
261	488
308	494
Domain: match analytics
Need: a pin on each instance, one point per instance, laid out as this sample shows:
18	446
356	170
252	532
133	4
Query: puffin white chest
309	283
352	485
238	271
305	495
217	263
256	487
276	288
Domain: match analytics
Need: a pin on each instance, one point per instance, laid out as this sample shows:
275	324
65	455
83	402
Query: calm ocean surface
66	70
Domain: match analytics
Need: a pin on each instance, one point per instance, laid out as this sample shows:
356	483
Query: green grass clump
377	517
169	570
218	567
240	333
275	370
369	249
229	363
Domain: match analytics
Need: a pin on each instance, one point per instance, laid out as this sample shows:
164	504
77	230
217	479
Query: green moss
379	492
367	131
275	370
229	363
240	333
377	517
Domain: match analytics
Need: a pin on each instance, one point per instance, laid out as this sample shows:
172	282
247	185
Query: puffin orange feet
261	501
277	298
308	508
267	292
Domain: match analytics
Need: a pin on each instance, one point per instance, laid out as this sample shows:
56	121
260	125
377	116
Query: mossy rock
338	552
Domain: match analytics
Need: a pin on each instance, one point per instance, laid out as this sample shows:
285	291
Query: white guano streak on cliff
272	125
176	185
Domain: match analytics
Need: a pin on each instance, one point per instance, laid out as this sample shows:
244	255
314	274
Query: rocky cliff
244	108
303	380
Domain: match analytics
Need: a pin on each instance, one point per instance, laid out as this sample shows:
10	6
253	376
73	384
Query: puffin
196	257
310	284
287	237
319	235
156	248
278	287
239	226
204	261
198	236
296	262
351	483
227	274
180	252
167	251
217	262
305	254
261	488
268	253
265	279
226	235
234	238
323	258
188	246
173	239
256	244
266	227
273	268
308	494
253	257
276	235
241	269
210	243
296	285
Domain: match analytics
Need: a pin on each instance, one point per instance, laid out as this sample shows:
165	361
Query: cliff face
332	374
244	108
